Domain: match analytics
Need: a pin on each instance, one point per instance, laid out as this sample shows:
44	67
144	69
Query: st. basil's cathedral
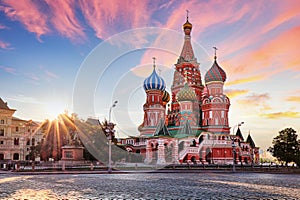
191	125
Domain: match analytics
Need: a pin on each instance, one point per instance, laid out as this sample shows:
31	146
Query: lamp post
233	153
110	130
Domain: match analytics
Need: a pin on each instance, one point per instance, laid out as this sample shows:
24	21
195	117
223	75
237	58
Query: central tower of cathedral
193	106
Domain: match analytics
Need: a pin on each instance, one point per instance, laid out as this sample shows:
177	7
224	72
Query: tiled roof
186	94
3	105
215	73
250	141
239	134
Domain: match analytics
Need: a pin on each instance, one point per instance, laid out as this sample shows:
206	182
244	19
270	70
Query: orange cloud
259	101
275	56
104	16
293	98
231	93
281	51
28	13
63	18
246	80
278	115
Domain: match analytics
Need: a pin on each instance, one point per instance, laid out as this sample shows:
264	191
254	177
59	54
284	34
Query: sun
55	108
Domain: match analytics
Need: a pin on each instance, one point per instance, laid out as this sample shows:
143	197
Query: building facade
191	124
17	136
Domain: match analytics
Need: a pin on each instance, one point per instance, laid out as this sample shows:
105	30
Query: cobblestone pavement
151	186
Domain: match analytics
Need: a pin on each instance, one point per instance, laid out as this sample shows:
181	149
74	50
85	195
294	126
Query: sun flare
53	109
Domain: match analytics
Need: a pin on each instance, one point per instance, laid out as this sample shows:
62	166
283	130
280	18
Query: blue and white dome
154	82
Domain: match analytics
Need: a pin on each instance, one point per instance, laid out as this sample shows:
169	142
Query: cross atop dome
215	52
154	62
187	15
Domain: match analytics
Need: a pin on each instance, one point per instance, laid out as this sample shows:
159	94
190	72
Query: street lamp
233	152
109	131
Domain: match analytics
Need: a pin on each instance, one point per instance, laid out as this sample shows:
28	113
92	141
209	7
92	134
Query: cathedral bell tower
187	68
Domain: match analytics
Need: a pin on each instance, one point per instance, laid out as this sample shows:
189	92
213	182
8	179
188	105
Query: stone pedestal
72	154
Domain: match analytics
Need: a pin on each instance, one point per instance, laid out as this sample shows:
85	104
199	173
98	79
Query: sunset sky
82	55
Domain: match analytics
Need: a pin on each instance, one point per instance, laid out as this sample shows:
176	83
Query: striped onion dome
186	94
215	73
154	82
165	96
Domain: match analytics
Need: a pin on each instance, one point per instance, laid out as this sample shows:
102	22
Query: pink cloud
8	70
50	74
63	17
204	15
28	13
2	26
274	56
33	77
4	45
282	51
110	17
286	11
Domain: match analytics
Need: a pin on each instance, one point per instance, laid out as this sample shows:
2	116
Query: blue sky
46	46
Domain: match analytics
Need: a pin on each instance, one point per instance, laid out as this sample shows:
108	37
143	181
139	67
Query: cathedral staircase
190	149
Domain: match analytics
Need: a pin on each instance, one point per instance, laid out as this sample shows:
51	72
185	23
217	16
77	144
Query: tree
285	146
297	159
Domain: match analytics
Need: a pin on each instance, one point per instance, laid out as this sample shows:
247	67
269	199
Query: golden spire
187	24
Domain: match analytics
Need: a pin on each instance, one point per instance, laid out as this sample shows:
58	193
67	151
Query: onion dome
154	81
186	94
165	96
187	24
215	73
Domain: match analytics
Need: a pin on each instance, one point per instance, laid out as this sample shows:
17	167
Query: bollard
92	167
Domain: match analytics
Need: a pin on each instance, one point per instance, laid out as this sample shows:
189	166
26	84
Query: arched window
28	141
16	156
16	141
1	132
33	141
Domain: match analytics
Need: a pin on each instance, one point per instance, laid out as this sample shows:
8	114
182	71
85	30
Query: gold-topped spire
154	62
187	24
215	53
